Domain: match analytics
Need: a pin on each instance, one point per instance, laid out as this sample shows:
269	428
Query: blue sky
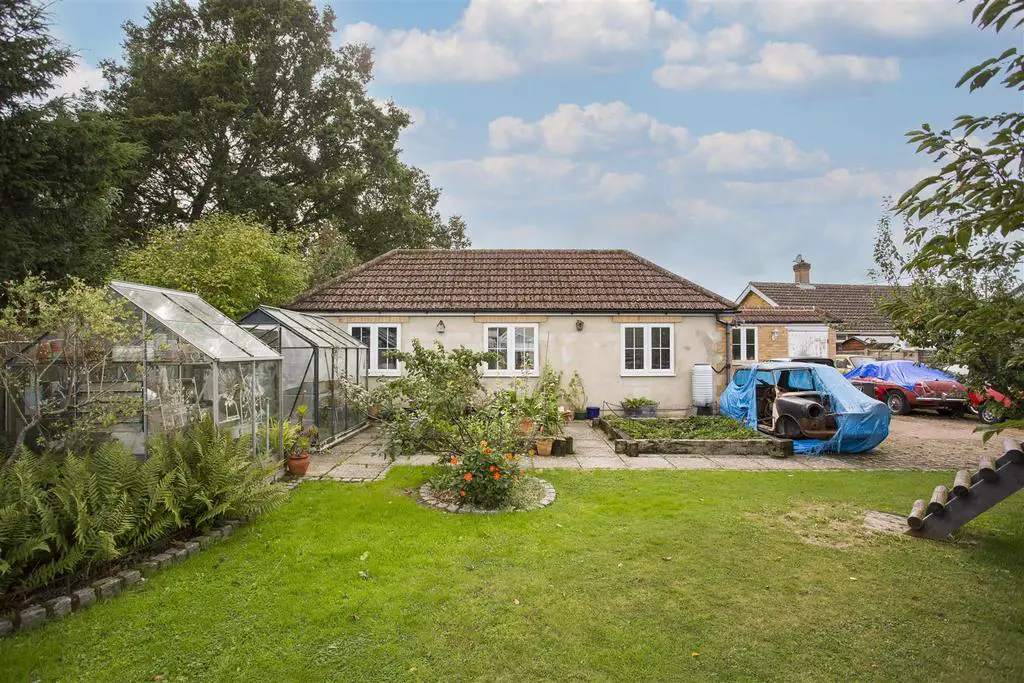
718	139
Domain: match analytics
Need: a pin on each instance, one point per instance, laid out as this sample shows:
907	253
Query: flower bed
699	435
530	493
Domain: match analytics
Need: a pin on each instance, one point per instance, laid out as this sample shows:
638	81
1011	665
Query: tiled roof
783	315
855	305
504	280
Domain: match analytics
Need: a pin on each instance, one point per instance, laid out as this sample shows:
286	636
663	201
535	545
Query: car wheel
989	413
897	403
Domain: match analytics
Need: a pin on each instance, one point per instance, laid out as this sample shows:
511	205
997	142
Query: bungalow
849	321
629	327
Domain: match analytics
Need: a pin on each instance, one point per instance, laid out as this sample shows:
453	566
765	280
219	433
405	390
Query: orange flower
497	476
487	451
522	471
468	476
493	468
483	444
455	461
462	493
509	456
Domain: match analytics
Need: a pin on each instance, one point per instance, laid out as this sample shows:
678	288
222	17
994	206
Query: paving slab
783	464
602	463
360	472
566	462
690	462
738	462
648	462
822	462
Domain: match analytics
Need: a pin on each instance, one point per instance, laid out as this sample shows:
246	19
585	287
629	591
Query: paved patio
361	458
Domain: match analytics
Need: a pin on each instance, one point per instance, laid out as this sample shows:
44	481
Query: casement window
514	348
381	339
744	344
647	350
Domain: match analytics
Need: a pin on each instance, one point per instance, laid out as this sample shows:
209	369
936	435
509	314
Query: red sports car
990	405
904	385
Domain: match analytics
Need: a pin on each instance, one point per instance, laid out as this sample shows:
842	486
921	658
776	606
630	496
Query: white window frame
510	352
743	344
373	370
648	339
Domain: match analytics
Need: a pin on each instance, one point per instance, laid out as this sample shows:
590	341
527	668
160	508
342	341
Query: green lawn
625	577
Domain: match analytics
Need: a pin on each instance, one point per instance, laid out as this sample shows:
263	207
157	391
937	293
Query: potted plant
577	396
302	439
550	418
529	408
640	407
544	443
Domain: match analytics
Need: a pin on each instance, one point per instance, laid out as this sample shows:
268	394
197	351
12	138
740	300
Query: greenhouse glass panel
320	361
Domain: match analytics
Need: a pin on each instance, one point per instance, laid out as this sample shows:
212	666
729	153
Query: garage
808	341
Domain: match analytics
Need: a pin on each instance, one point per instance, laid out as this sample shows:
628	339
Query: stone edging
427	498
624	444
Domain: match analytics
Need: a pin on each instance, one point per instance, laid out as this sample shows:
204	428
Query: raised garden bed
700	435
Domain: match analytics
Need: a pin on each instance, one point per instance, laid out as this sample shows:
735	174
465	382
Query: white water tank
703	388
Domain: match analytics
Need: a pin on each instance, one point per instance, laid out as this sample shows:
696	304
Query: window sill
647	373
506	374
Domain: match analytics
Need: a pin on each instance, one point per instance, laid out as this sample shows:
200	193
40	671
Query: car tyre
989	413
897	402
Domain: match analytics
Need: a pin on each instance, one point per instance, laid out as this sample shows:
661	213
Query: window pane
525	345
751	344
387	340
497	342
634	348
362	334
661	348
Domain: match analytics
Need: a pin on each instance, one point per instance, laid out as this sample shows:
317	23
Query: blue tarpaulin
905	373
862	422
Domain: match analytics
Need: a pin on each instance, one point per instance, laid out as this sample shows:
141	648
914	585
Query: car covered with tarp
904	385
814	405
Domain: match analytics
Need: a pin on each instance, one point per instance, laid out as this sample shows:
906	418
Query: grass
630	575
695	427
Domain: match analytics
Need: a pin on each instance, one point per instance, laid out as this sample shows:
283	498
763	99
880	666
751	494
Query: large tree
964	229
247	107
61	162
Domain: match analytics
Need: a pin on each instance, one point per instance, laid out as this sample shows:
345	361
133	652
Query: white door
808	341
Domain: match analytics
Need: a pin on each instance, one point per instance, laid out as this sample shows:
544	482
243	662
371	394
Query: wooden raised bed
623	443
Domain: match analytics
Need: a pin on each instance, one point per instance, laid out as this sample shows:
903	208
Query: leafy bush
638	403
697	427
484	477
61	515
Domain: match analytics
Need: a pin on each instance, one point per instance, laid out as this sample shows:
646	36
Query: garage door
808	340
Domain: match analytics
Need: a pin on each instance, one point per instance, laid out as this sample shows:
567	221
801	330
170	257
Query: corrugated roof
855	305
507	280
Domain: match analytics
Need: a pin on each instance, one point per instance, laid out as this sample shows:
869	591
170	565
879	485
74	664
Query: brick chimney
801	271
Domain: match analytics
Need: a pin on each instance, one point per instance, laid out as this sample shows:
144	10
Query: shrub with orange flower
483	477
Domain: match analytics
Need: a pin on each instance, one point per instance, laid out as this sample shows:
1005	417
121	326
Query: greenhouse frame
320	363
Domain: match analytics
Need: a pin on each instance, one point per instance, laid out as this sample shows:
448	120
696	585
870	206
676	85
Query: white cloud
839	184
778	66
505	172
727	42
81	76
496	39
889	18
614	186
752	150
597	126
701	211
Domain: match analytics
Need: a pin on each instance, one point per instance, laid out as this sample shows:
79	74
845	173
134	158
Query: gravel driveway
927	441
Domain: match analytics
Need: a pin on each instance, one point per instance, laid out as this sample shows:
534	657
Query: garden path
360	457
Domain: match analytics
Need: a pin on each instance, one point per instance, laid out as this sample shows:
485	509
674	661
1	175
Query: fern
61	515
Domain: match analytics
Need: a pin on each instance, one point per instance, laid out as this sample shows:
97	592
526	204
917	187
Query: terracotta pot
298	465
544	446
526	425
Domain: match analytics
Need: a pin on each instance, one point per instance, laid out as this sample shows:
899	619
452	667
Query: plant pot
593	412
544	446
579	415
298	465
526	425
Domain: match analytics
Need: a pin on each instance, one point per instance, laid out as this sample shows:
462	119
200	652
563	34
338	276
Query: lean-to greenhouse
320	363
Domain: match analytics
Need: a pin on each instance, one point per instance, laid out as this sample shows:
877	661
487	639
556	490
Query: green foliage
576	393
638	403
962	231
483	476
233	262
65	515
548	395
425	407
329	254
246	107
62	162
696	427
84	323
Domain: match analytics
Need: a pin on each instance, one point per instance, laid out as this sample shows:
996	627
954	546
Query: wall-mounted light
579	325
775	333
440	327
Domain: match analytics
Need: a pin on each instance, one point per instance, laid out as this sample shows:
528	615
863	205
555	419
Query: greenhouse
320	363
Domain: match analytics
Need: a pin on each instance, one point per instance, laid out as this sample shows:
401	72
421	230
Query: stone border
624	444
428	499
